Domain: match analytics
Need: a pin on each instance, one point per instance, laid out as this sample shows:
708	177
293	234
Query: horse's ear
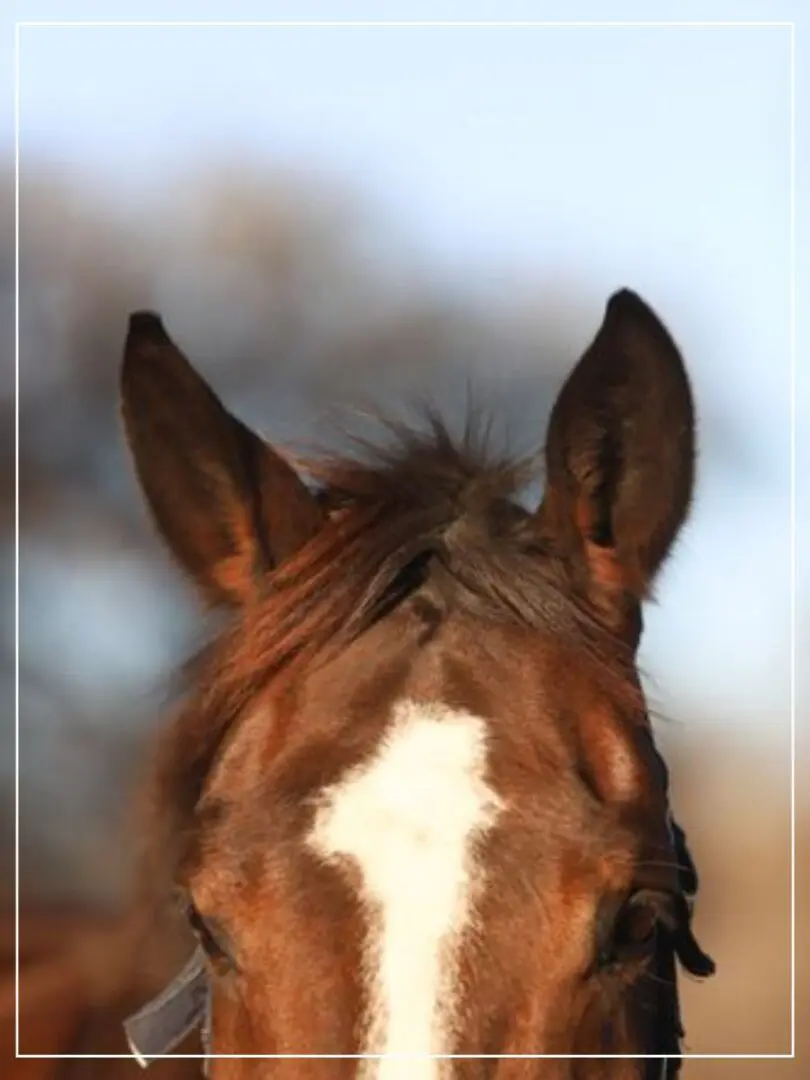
227	505
620	458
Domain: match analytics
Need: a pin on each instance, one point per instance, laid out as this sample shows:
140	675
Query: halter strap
673	836
162	1024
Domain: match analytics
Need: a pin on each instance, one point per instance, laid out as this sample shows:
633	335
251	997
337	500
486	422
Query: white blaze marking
408	819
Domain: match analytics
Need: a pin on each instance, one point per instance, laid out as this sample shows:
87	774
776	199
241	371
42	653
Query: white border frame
406	24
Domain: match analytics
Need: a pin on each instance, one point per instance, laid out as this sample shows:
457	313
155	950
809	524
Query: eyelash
212	947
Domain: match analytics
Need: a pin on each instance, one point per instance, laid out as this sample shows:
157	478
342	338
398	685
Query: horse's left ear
620	458
228	506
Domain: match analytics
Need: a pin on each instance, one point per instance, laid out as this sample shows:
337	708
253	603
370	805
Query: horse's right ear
228	506
620	458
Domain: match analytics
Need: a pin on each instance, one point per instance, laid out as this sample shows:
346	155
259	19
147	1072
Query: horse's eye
636	924
210	936
631	932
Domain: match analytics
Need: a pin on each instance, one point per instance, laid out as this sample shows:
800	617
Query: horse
411	804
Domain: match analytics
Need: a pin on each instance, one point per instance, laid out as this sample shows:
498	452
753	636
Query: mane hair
423	497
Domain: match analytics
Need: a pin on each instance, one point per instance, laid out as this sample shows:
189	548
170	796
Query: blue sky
658	158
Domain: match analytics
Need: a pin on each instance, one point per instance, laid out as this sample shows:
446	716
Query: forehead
581	797
559	852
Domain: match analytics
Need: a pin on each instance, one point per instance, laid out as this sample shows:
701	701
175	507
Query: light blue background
514	158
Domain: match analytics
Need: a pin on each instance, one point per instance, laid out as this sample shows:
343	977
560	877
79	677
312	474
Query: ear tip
145	326
626	312
628	301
